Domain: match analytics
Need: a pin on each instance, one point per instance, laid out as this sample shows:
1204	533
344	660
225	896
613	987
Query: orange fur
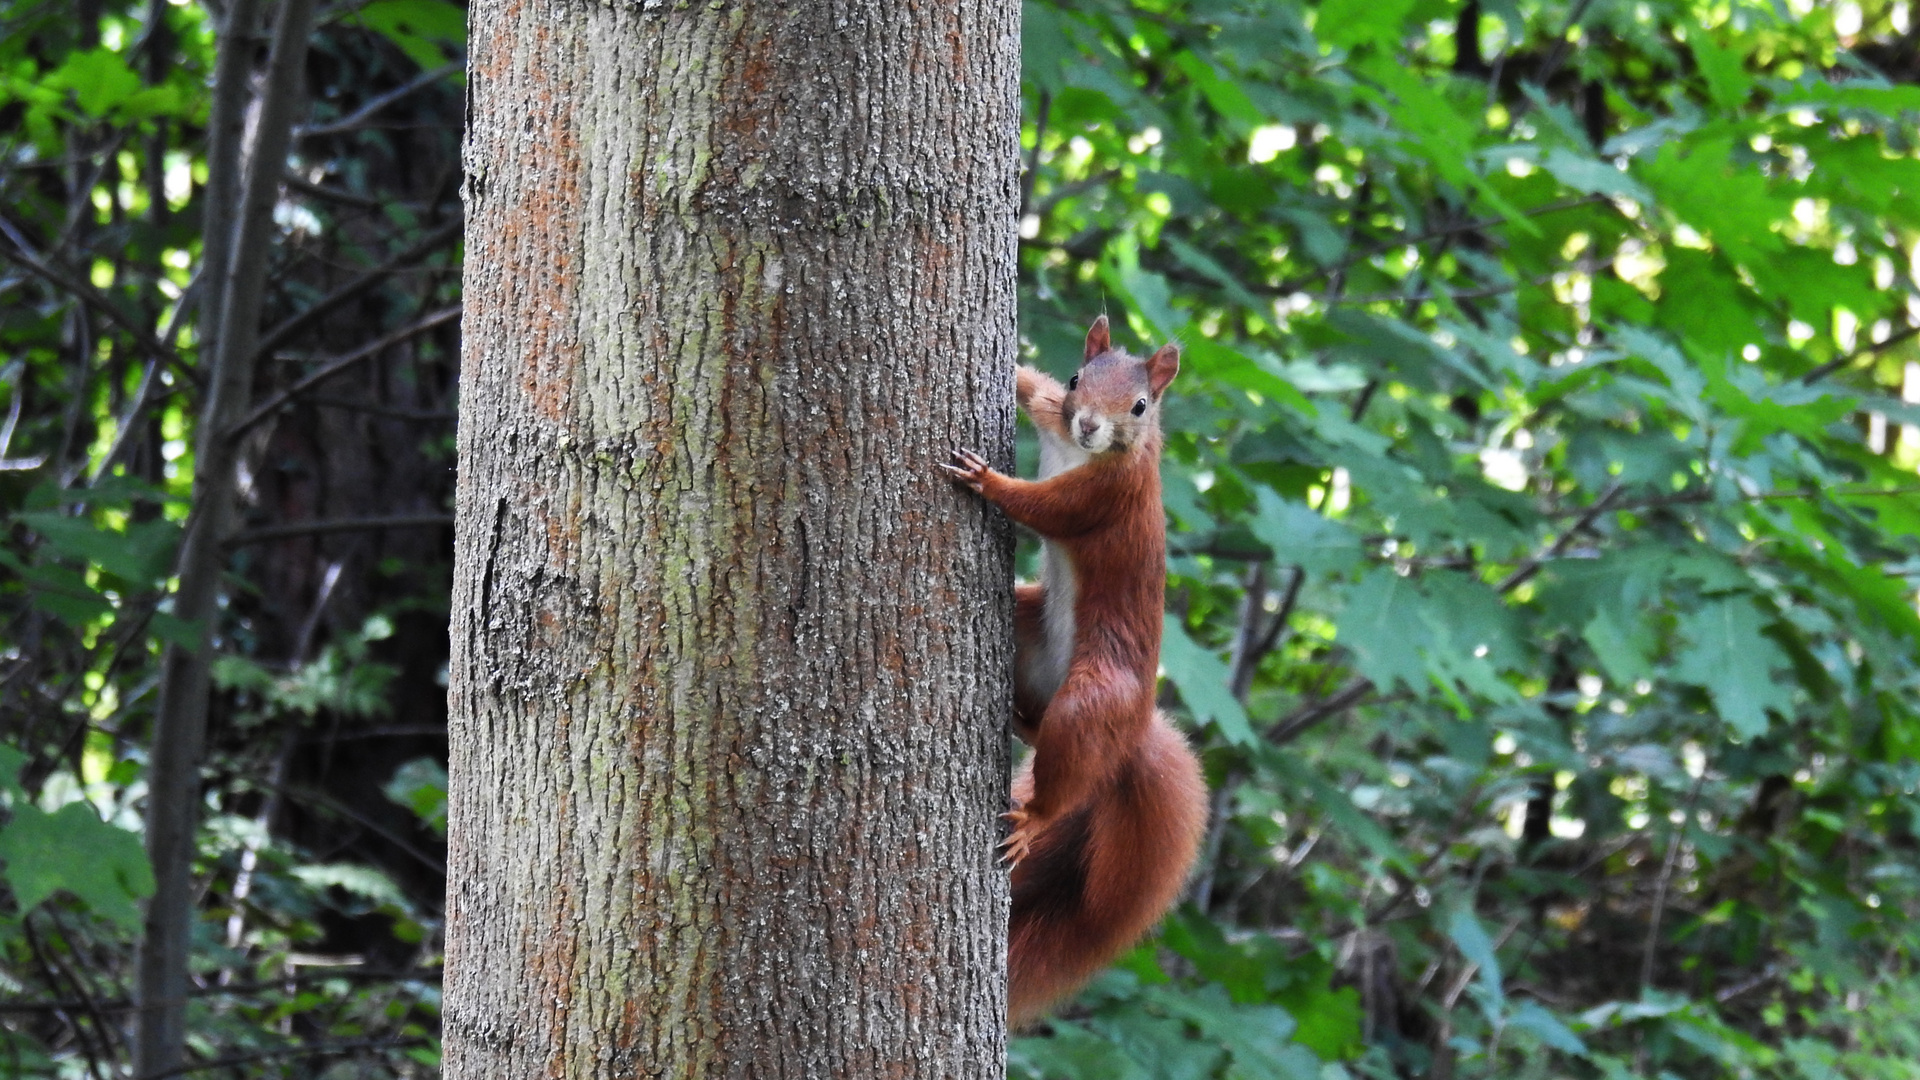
1110	806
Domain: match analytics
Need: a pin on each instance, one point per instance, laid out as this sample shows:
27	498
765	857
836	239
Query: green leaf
11	762
1226	97
71	850
362	881
1735	662
1215	362
1727	79
1258	1038
1209	267
1323	243
1329	1017
1592	176
1535	1020
1149	294
1337	804
1073	1053
1162	1046
1299	536
1202	679
1345	23
1463	926
420	28
1730	205
1384	628
99	78
140	555
1045	49
421	786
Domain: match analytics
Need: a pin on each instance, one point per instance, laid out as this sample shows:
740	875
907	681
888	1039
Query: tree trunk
180	723
731	660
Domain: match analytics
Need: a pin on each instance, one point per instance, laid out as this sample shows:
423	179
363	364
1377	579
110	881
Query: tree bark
731	660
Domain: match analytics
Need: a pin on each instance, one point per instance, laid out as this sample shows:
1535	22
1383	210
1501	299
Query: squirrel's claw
1014	847
969	469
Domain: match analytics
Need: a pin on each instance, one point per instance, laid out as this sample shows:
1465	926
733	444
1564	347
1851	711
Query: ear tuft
1162	366
1098	340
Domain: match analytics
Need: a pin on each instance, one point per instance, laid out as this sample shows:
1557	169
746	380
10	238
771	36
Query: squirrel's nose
1088	425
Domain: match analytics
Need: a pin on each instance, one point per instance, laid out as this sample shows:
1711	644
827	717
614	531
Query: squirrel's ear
1098	340
1162	366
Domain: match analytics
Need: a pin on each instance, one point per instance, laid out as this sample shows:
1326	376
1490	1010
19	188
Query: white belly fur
1057	456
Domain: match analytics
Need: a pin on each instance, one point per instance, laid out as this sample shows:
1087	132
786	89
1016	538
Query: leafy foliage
317	941
1537	468
1540	482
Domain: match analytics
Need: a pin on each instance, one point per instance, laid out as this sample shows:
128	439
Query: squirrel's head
1113	401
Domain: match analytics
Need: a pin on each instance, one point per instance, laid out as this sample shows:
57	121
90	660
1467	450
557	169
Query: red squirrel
1110	805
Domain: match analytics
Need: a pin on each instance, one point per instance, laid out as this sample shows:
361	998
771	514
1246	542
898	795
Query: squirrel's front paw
1014	847
968	469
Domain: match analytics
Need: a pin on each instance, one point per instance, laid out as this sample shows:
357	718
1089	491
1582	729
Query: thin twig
424	416
1246	634
1244	659
296	182
1870	349
1526	570
20	255
129	420
1561	48
339	525
54	972
124	1005
1474	225
420	249
12	373
322	800
1666	880
1291	286
1296	723
1044	106
373	105
1752	982
1278	627
77	974
336	366
1696	496
349	1047
1058	195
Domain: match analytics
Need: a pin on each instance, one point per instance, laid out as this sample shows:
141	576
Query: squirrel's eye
1073	383
1140	407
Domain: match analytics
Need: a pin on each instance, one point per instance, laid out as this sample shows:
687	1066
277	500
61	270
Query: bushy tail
1098	879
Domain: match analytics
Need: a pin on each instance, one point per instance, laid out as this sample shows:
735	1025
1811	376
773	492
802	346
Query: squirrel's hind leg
1030	696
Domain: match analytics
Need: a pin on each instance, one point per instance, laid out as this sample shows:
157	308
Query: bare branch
336	366
318	1050
1032	171
374	105
1296	723
1861	353
1651	950
296	182
1525	571
420	249
339	525
21	255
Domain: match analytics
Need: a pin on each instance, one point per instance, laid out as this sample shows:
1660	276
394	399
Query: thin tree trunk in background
180	722
730	679
226	127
